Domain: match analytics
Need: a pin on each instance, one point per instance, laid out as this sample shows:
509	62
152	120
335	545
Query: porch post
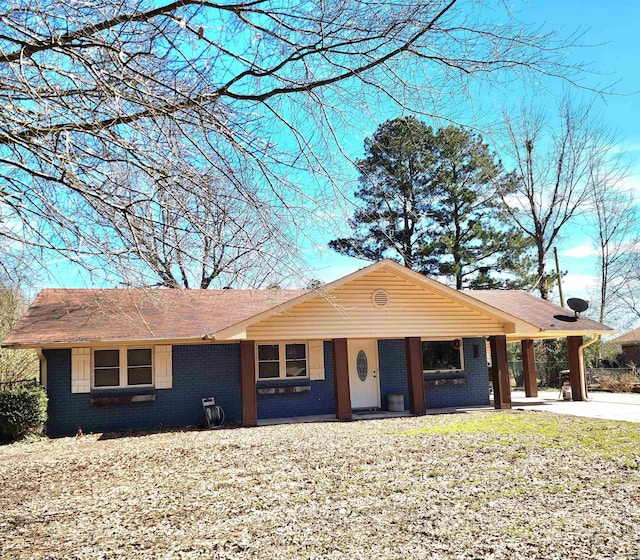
415	379
529	369
576	373
341	379
248	398
500	372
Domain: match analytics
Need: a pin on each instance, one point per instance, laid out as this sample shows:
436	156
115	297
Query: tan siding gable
413	309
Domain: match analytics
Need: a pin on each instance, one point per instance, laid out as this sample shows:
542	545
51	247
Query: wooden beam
500	372
248	398
415	378
529	369
576	375
341	379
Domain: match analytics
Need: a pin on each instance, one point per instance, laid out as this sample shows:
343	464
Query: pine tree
430	201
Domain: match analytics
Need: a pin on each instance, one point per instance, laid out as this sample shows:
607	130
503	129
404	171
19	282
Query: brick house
117	359
630	344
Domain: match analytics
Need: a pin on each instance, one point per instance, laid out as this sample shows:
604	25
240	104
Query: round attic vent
380	298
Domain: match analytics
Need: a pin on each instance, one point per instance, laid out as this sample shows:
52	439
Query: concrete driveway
608	406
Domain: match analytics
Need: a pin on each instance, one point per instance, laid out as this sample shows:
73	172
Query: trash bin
395	402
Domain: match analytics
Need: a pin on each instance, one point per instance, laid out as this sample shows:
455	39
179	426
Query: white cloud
580	252
630	183
579	285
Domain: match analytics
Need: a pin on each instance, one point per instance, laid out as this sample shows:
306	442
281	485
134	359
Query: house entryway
364	379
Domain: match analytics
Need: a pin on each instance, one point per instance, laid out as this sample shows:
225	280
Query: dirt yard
479	485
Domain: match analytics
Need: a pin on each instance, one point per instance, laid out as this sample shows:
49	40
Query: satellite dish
577	305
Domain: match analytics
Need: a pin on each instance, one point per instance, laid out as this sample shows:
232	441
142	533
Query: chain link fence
608	379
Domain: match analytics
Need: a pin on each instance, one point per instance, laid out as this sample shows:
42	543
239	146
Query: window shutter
316	360
162	363
81	370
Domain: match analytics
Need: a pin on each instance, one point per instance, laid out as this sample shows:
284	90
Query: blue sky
610	29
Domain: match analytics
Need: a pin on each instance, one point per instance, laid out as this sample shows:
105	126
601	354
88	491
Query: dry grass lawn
480	485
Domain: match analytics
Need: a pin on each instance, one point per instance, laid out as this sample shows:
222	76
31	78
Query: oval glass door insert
362	366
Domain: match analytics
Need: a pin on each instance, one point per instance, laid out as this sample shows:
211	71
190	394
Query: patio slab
608	406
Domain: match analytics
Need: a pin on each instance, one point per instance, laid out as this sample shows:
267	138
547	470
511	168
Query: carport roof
552	320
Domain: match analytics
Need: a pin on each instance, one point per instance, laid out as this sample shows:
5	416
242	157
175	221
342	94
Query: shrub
23	412
621	383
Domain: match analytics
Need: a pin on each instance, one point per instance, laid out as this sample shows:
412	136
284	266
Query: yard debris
480	485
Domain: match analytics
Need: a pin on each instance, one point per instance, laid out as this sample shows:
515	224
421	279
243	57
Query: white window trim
282	362
123	368
454	370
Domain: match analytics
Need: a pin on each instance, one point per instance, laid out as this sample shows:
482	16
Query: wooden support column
415	379
500	372
576	374
529	369
248	397
341	379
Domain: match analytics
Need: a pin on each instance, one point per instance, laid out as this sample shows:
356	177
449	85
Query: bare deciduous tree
556	164
187	230
617	241
88	89
15	365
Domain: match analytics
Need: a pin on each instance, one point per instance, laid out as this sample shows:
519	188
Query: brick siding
393	377
198	371
474	392
393	371
319	400
214	370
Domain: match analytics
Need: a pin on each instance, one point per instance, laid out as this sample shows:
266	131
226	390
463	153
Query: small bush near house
23	412
621	383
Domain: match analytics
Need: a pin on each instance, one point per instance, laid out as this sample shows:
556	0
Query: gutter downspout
583	372
43	367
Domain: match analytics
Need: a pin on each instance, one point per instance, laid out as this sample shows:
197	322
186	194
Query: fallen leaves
412	487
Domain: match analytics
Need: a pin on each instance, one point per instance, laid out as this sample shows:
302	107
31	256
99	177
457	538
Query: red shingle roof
61	316
632	337
536	311
84	315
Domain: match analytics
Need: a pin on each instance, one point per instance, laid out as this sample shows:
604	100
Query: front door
363	373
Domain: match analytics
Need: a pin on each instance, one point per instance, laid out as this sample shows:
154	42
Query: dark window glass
268	352
296	351
140	375
268	361
267	370
296	355
296	368
441	355
139	357
107	377
106	358
139	370
106	368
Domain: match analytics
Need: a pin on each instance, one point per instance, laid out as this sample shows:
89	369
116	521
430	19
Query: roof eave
62	344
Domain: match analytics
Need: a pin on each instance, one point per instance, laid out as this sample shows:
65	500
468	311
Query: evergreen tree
395	182
430	201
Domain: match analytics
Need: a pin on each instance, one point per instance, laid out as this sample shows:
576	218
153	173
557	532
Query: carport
538	320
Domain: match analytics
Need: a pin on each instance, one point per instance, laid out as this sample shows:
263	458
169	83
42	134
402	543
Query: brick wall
319	399
631	354
474	391
213	370
198	371
393	370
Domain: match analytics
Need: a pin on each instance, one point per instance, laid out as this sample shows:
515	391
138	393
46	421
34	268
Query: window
442	355
282	361
122	367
